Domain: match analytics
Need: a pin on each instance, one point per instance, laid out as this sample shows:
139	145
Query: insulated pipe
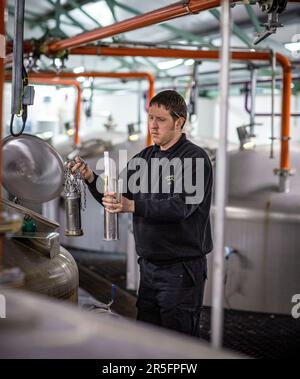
213	54
179	9
38	79
119	75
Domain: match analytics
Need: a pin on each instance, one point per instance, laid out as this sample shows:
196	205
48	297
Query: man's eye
161	119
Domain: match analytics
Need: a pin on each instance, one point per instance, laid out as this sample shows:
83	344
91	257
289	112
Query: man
172	230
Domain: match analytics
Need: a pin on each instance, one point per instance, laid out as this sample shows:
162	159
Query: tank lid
32	169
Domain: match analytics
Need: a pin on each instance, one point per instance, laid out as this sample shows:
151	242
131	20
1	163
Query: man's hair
173	102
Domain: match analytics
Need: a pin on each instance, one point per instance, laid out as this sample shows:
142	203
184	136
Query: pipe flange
285	138
62	54
186	4
284	172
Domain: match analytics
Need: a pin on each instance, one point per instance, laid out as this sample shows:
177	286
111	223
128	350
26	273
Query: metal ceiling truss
179	33
75	4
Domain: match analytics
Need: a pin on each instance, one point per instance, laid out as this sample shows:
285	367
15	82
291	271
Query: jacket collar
181	140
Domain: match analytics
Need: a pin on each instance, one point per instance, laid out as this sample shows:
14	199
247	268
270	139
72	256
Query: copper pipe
2	33
54	80
213	54
164	14
154	17
120	75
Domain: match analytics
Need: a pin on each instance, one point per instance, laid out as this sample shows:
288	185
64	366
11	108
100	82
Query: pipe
2	56
272	104
213	54
253	100
179	9
163	14
39	79
119	75
221	183
17	75
248	107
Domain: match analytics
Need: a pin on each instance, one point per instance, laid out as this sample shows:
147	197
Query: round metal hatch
32	170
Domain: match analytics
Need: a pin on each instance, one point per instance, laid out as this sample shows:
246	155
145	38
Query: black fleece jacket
166	227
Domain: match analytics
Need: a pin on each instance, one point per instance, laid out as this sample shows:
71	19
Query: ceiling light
80	79
189	62
169	64
78	70
293	46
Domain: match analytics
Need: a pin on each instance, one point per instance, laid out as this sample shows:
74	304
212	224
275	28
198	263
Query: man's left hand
113	206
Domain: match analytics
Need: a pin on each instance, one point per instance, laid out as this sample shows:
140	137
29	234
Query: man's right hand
85	172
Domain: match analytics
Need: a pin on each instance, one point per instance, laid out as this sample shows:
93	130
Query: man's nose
154	124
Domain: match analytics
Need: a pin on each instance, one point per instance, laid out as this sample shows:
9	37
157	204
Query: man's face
162	126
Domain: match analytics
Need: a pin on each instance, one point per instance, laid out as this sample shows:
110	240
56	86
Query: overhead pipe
163	14
176	10
214	54
39	79
116	75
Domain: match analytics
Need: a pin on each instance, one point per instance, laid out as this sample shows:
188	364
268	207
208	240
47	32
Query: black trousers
171	295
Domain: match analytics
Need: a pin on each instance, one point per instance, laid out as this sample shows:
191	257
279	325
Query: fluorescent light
169	64
78	70
189	62
80	79
293	46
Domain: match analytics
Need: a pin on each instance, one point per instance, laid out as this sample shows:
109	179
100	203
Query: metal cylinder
111	226
73	215
111	220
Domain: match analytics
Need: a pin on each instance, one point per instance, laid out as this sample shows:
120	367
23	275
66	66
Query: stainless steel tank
262	234
33	172
49	268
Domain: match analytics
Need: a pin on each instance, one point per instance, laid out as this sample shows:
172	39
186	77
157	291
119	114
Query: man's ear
179	123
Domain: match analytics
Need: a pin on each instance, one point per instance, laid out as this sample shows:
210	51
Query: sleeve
176	208
98	196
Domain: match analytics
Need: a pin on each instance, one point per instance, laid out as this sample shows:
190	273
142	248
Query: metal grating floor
254	334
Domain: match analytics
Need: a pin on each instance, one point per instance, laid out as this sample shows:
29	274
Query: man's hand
85	172
113	206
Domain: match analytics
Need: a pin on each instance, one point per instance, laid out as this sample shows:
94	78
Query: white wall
124	108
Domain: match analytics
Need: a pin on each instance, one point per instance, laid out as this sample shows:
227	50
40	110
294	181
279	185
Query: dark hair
173	102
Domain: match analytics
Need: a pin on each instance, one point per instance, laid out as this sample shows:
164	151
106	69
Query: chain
74	183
